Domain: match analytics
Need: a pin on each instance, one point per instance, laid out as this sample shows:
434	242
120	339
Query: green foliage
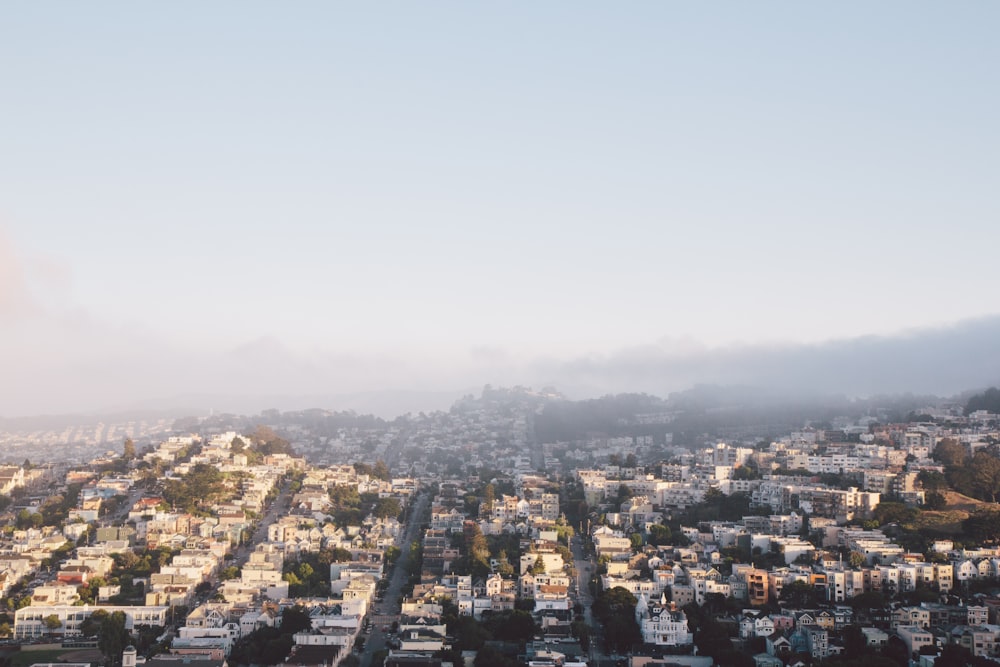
733	658
269	646
128	450
309	576
268	442
866	660
513	625
950	452
712	639
295	619
717	506
954	655
386	508
581	631
112	637
977	475
615	609
989	400
490	657
800	595
932	480
892	512
935	501
660	535
855	643
745	472
983	525
200	487
381	471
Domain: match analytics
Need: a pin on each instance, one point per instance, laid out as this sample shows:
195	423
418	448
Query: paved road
392	600
279	507
585	568
242	553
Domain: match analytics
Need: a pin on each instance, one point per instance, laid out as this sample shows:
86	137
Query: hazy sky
310	196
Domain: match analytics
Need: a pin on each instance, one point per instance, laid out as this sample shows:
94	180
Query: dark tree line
989	400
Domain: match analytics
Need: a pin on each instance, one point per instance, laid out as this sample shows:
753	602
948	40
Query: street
391	604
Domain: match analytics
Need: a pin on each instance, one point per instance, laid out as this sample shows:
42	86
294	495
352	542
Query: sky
322	198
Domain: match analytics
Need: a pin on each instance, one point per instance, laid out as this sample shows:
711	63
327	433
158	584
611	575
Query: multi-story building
661	623
29	622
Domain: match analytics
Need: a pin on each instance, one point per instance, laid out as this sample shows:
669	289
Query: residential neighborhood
465	538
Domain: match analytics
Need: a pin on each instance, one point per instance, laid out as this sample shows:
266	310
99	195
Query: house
661	623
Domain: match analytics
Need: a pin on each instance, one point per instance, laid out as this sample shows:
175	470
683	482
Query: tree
932	480
954	655
982	525
489	498
295	619
989	400
636	540
381	471
516	625
712	639
488	656
985	476
935	501
269	442
855	643
659	535
856	559
892	512
539	566
386	508
799	594
112	638
615	600
91	626
52	623
128	450
950	452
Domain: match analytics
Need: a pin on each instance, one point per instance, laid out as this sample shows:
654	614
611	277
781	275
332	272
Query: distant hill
989	400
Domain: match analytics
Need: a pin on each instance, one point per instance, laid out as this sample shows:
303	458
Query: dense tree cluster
309	576
615	609
200	487
350	507
267	442
989	400
977	475
717	506
269	646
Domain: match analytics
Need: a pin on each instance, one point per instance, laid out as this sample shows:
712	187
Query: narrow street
391	604
585	568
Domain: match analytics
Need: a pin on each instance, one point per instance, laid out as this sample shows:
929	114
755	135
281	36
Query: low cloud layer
940	361
56	357
90	368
